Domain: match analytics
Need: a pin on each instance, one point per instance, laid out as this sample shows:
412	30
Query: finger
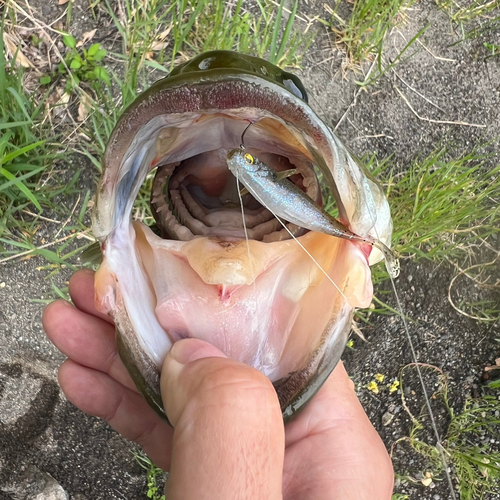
88	340
228	426
81	289
126	411
337	428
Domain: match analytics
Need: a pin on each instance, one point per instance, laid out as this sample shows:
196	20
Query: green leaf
69	41
75	64
102	75
44	80
100	55
93	50
49	255
18	152
14	124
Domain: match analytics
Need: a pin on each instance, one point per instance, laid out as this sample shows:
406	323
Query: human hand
229	440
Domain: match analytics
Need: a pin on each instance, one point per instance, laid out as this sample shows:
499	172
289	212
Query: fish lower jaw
264	304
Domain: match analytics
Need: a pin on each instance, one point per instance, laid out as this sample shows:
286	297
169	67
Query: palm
332	451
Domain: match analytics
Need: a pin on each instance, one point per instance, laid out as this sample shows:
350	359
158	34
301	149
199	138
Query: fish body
261	300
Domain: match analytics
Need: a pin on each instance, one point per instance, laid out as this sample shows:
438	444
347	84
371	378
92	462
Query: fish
223	269
284	199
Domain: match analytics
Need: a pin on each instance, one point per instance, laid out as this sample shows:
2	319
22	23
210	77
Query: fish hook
242	145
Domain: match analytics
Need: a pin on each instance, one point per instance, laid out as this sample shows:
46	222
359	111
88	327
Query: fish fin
285	174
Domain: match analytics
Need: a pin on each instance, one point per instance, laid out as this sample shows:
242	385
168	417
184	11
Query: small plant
153	475
23	153
492	48
84	65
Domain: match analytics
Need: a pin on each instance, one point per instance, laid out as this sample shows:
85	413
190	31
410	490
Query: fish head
281	304
239	161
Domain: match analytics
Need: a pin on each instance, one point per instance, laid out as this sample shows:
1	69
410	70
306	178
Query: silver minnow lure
282	197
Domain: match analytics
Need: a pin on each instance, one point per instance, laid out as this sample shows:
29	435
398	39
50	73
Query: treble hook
242	145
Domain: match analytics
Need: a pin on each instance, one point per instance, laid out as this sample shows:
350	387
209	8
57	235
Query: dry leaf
158	45
61	105
426	481
87	36
62	2
165	33
84	107
14	50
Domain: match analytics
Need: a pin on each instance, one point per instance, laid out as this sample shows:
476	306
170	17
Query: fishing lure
282	197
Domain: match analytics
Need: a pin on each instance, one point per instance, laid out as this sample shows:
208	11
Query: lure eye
249	159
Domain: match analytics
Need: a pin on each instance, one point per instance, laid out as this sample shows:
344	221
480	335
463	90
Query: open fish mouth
267	301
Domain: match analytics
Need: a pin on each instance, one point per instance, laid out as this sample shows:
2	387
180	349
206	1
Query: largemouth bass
264	301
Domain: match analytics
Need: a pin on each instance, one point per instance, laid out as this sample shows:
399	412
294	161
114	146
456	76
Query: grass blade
19	184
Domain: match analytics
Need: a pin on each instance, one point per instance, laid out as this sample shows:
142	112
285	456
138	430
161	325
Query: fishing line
302	246
258	355
400	311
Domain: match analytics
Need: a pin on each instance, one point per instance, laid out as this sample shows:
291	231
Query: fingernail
187	350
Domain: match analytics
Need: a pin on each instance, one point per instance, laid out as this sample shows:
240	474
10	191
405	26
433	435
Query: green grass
362	32
443	207
23	155
224	26
464	11
476	466
476	19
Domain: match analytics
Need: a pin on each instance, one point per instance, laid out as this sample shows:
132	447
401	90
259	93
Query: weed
226	27
154	474
85	65
452	210
23	154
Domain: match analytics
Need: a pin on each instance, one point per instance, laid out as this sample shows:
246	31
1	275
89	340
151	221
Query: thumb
228	430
